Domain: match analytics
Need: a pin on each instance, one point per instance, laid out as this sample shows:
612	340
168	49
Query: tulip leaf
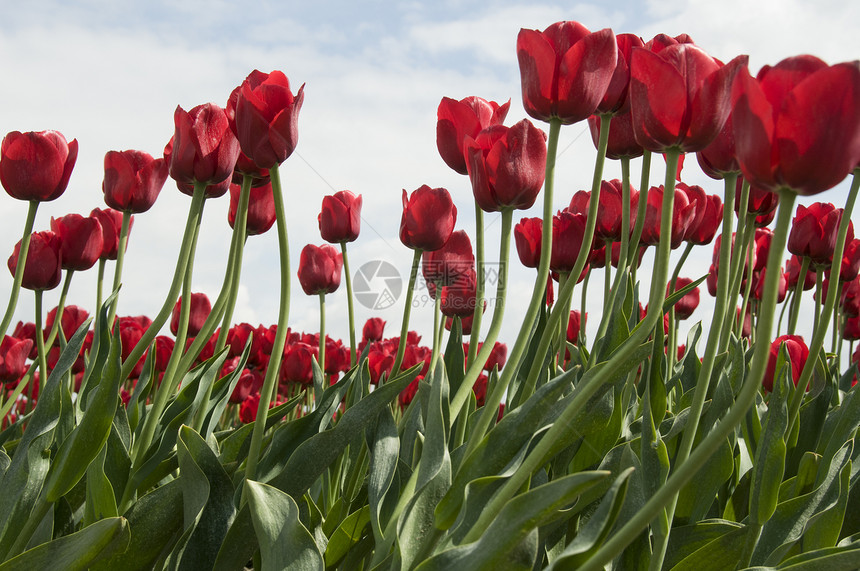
687	539
454	356
350	531
384	444
284	542
723	552
77	551
101	501
769	465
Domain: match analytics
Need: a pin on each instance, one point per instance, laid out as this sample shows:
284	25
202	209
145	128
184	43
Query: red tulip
131	330
527	236
798	353
506	166
850	302
622	142
36	165
718	158
615	100
407	395
450	262
200	308
428	218
682	214
261	208
679	97
73	317
685	306
266	118
708	218
319	269
568	230
459	298
792	274
498	357
43	268
13	358
133	180
565	70
797	124
163	350
609	211
82	240
203	149
457	120
813	232
850	261
111	223
373	329
574	324
340	218
296	366
851	329
250	382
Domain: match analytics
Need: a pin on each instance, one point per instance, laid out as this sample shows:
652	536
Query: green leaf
687	539
454	357
384	446
101	501
696	498
284	542
76	551
718	555
350	531
769	464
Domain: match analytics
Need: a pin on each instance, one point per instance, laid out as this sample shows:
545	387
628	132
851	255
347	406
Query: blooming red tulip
266	118
203	149
615	100
527	236
798	353
43	268
133	180
609	211
373	329
13	358
459	297
163	350
680	96
850	260
340	218
813	232
565	70
428	218
73	317
568	230
506	165
261	208
498	356
250	382
682	214
319	269
685	306
82	240
718	158
131	330
111	223
36	165
450	262
708	218
797	124
621	142
296	366
200	309
457	120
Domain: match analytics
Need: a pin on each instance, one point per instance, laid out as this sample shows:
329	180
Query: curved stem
19	269
798	293
120	257
407	311
632	256
234	263
480	288
270	382
353	355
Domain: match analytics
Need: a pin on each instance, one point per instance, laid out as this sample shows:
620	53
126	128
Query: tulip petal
536	57
752	119
712	104
658	100
584	75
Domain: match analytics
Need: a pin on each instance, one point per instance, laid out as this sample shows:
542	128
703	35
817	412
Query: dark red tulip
457	120
36	165
428	218
568	230
851	329
615	100
850	260
685	306
407	395
797	124
73	317
43	268
336	356
813	232
163	350
261	208
574	324
480	389
680	96
682	215
111	223
266	118
850	301
340	217
708	218
565	70
296	366
621	142
459	298
798	353
133	180
131	330
250	382
200	309
13	358
718	158
450	262
506	166
609	210
203	148
379	361
82	240
661	41
760	202
498	356
792	274
319	269
373	329
527	236
757	289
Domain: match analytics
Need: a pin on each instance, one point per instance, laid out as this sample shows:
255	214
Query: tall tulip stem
19	270
407	311
477	316
120	257
353	355
798	293
40	342
234	263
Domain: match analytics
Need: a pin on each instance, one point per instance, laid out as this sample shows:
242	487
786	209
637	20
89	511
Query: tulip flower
111	223
574	324
718	158
373	329
457	120
428	218
133	180
708	217
608	226
43	268
319	269
528	233
621	142
200	309
682	215
679	96
506	166
458	298
615	100
36	165
71	319
340	217
203	148
82	240
784	138
567	233
296	366
13	358
798	353
261	208
792	274
685	306
266	118
565	70
450	262
813	232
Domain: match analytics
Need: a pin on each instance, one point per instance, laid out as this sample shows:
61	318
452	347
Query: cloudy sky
111	74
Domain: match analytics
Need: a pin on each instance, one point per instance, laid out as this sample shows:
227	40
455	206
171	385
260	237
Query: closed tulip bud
682	214
373	329
43	267
111	223
203	149
133	180
340	217
73	317
813	232
798	353
450	262
457	120
792	274
428	219
708	218
82	240
608	225
568	230
574	324
200	308
459	298
621	142
296	366
685	306
36	165
528	236
320	269
261	208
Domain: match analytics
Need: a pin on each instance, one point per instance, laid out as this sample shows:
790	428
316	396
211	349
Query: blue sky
111	74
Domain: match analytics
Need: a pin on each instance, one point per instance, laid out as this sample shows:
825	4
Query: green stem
632	256
737	263
234	263
40	342
99	282
624	251
353	354
561	330
19	269
270	382
581	335
684	471
120	257
321	360
798	293
819	285
437	332
407	310
745	302
607	273
480	288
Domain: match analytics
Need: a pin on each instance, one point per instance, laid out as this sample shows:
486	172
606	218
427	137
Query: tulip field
188	440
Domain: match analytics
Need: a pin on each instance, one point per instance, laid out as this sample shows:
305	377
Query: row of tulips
296	450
